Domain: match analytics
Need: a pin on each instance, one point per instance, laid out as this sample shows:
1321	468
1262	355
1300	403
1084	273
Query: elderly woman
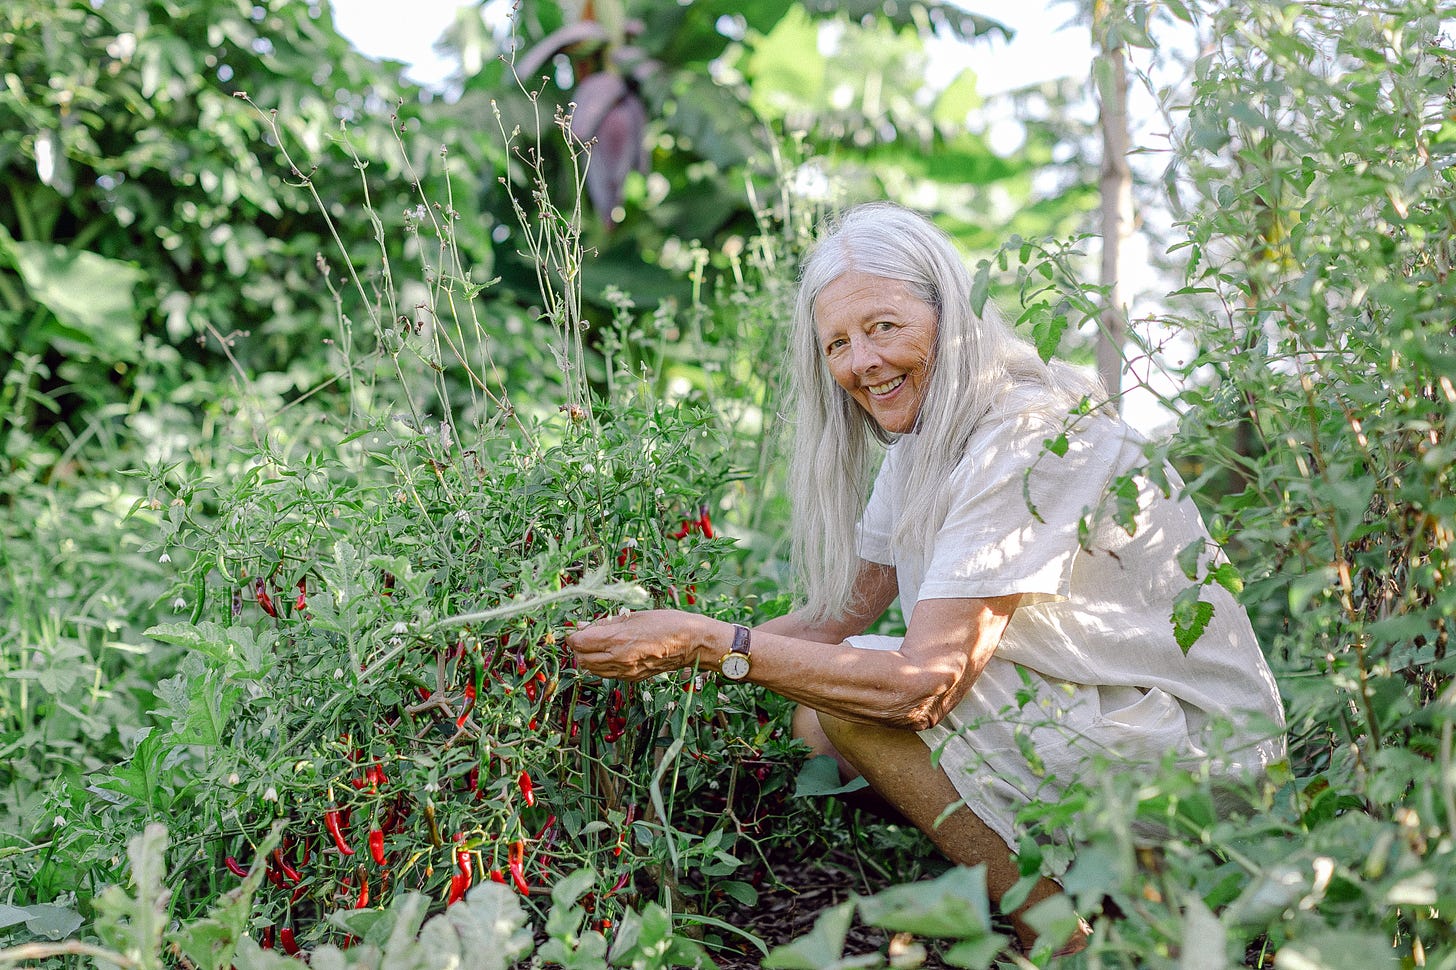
1038	639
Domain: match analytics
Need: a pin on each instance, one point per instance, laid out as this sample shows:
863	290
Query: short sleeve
991	542
876	526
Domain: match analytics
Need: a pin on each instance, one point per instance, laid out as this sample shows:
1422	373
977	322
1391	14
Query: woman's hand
634	646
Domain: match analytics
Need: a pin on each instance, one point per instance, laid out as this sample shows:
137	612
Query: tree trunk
1110	74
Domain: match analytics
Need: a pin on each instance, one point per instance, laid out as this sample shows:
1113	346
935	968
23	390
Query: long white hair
978	365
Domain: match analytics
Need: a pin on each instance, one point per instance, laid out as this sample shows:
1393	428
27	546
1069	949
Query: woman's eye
833	346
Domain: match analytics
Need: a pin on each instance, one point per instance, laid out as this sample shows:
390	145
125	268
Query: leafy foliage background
284	400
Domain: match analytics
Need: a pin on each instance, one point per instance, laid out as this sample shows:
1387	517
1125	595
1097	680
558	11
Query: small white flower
164	558
178	605
271	795
233	778
589	469
60	821
400	627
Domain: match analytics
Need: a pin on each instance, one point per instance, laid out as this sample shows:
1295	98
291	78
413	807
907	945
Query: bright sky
1043	47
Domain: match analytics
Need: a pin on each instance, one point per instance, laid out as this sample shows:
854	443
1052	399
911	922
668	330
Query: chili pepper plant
371	607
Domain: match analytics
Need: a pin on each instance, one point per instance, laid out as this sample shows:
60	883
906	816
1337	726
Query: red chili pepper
290	873
285	937
531	691
458	885
691	596
363	902
497	876
301	603
517	867
333	823
469	705
265	941
462	860
705	523
260	592
528	791
235	867
376	846
376	776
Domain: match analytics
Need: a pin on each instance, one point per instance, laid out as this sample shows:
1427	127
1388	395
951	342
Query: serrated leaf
1190	618
1047	332
206	638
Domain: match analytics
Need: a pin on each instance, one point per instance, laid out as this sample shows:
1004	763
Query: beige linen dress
1088	670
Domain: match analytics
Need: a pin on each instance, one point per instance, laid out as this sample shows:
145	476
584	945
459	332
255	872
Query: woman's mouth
880	390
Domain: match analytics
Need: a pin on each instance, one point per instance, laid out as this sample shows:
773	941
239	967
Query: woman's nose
863	356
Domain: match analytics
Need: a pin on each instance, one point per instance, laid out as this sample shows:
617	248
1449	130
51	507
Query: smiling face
877	337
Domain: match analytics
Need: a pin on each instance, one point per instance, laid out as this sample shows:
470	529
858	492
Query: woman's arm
945	649
875	588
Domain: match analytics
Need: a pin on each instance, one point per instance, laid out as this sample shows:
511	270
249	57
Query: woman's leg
897	764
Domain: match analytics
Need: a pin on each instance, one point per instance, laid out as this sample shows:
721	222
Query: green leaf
820	776
954	905
1047	332
1190	618
975	954
133	923
1125	510
215	940
1226	574
957	101
1058	445
51	922
741	891
981	287
820	947
1337	950
568	890
1054	921
90	296
1188	558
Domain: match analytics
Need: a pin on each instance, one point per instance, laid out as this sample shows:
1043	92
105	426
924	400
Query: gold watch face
735	666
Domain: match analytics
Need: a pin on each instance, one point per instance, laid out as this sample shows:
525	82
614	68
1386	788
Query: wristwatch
735	663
